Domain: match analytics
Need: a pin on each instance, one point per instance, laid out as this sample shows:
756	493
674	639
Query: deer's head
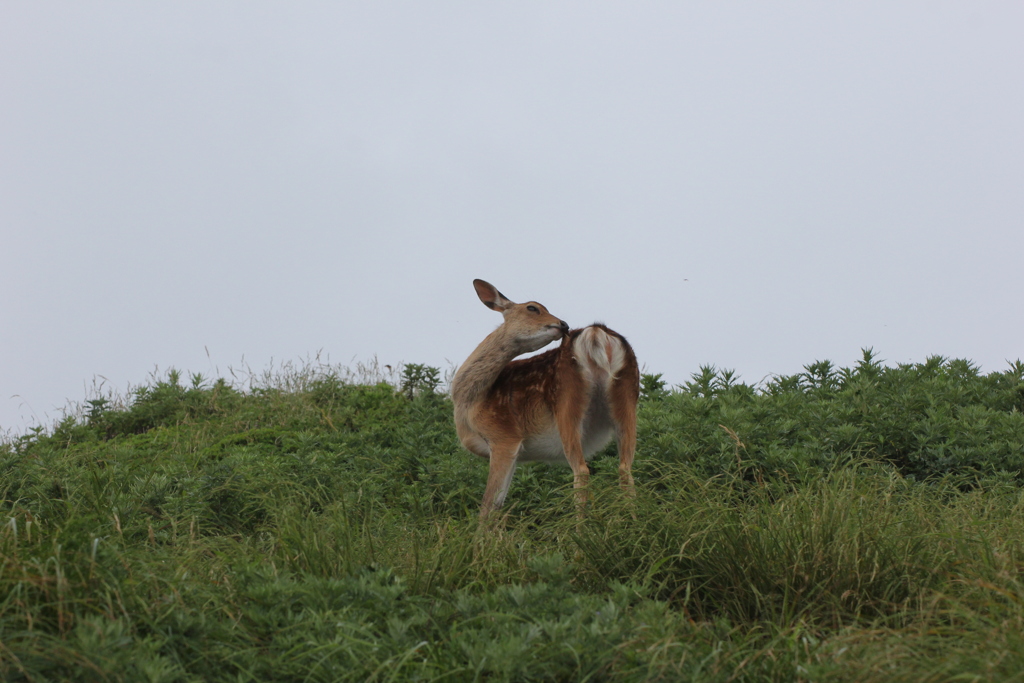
529	325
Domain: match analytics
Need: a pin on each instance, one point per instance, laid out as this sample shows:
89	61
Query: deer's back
582	369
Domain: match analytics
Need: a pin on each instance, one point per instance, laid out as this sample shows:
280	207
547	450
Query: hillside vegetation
854	524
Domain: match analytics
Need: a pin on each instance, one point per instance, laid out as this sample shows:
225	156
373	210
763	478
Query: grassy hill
852	524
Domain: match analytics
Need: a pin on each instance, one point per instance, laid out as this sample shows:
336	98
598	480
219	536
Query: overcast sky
751	185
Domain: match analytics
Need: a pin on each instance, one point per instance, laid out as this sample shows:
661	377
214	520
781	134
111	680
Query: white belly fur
598	430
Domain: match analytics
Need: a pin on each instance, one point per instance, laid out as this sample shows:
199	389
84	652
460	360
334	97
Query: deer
561	406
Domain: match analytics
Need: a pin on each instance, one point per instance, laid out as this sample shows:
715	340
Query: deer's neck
477	374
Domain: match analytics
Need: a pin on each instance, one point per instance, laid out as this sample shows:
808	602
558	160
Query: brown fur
502	405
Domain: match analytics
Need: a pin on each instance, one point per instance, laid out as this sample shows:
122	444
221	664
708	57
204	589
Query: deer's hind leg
572	406
622	398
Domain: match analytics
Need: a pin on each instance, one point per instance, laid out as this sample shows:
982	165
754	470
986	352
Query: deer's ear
490	295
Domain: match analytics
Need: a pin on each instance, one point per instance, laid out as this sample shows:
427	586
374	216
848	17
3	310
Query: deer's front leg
499	475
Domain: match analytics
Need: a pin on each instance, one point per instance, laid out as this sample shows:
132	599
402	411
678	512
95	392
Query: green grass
319	525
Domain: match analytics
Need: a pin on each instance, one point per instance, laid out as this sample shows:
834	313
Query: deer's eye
533	309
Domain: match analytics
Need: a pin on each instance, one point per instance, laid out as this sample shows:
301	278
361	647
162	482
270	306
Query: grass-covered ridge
844	524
